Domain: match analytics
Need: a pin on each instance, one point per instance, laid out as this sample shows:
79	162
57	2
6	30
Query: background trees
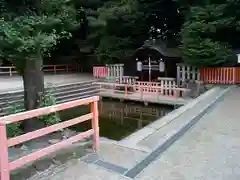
209	33
113	29
110	30
28	31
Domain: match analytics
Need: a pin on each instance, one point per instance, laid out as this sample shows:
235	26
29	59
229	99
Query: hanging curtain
161	66
139	66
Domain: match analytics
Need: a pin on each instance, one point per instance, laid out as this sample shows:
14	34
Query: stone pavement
8	83
210	150
207	148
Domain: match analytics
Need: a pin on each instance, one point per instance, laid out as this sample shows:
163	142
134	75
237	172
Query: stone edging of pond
132	140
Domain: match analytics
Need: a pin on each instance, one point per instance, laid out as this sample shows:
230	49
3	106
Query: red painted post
4	166
126	91
54	69
95	125
234	75
141	92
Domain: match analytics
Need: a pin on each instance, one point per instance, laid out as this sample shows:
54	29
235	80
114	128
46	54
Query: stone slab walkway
208	151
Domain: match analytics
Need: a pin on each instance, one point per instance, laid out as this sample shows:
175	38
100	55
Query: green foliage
122	32
113	29
203	38
162	17
15	128
205	52
31	34
47	99
112	49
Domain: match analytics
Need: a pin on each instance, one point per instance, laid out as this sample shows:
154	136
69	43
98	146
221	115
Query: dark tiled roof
161	47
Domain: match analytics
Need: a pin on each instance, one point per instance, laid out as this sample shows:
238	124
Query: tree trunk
33	80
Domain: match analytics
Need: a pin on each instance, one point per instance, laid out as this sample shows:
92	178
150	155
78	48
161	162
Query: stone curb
173	137
134	138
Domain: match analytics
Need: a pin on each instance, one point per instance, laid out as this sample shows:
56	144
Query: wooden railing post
234	75
10	71
4	166
141	92
176	93
54	69
125	91
95	125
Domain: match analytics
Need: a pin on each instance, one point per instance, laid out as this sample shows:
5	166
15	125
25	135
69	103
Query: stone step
78	170
113	153
57	94
111	162
63	93
56	90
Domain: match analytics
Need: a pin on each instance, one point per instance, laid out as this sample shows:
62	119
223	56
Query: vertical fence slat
227	77
4	165
223	75
237	75
100	72
95	125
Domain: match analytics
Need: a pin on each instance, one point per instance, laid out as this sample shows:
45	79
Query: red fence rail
6	167
10	70
142	90
101	71
60	67
223	75
237	75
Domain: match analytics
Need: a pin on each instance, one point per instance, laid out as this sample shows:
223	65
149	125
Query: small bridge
147	92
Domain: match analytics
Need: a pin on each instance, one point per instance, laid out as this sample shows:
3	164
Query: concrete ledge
173	136
134	138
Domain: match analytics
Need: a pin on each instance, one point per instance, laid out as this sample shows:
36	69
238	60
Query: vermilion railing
10	70
101	71
237	75
6	167
142	90
60	67
222	75
217	75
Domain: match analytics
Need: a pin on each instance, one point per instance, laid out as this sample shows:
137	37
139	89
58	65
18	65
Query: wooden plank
4	168
50	149
46	110
146	98
41	132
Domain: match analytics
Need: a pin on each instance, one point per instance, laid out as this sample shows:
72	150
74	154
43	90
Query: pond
118	119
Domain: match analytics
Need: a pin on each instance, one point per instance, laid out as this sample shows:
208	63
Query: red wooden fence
10	70
237	73
6	167
223	75
101	71
60	67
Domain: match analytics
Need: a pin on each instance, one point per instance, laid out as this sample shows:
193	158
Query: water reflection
118	119
128	117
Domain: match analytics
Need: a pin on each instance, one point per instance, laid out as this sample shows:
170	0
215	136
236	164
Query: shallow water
118	119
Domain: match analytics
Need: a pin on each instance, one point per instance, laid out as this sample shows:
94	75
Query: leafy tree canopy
29	32
207	35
